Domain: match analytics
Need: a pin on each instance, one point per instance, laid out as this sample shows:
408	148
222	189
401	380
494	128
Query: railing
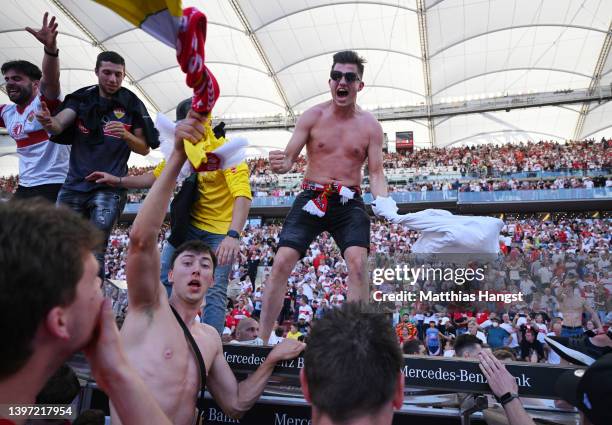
535	195
289	181
452	196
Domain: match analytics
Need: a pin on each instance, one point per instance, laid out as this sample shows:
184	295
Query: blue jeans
102	207
571	332
216	296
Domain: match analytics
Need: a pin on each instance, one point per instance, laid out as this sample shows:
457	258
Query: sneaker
578	350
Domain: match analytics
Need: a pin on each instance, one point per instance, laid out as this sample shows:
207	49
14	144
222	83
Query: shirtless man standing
152	336
573	345
339	137
572	306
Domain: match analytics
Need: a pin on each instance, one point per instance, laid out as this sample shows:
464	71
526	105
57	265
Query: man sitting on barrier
175	354
337	394
51	306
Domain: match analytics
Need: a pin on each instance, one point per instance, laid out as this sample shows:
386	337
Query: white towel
443	232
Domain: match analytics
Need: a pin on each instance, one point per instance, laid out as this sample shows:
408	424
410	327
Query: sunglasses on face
349	77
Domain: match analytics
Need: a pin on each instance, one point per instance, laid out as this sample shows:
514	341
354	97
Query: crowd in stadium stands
538	257
489	162
508	158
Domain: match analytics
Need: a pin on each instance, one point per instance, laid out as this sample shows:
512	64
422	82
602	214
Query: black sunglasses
350	77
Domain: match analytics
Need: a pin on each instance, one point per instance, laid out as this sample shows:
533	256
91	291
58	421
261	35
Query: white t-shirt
40	160
542	331
275	339
306	310
481	337
508	328
553	358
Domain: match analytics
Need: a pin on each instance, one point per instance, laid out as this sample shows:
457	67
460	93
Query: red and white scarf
318	206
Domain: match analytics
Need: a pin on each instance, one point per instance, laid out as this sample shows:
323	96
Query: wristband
506	398
56	54
120	178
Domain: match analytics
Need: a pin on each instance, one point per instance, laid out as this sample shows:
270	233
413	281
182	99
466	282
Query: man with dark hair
52	306
329	382
467	346
42	164
176	355
339	137
532	350
104	123
112	57
414	347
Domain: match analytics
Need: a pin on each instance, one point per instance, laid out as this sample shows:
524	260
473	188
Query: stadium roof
272	57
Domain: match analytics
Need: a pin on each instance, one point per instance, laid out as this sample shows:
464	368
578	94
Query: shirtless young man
339	137
153	338
573	345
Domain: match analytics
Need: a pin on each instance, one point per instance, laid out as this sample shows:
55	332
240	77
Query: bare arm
47	35
237	398
501	382
136	141
229	247
282	161
378	184
142	181
142	268
57	123
594	316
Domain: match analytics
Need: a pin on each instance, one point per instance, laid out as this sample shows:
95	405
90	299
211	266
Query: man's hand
47	35
386	207
286	350
104	351
227	250
279	162
190	129
43	115
104	178
498	377
116	129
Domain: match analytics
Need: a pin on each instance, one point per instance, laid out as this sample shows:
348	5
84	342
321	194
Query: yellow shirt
217	190
292	335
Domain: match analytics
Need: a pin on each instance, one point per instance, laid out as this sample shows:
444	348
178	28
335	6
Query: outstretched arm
143	264
237	398
55	124
142	181
47	35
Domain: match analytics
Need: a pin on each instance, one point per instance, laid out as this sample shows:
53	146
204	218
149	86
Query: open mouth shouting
342	93
195	284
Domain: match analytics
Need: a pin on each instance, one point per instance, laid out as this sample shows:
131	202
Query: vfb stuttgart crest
119	113
17	129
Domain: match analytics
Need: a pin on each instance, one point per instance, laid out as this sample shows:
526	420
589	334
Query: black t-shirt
110	156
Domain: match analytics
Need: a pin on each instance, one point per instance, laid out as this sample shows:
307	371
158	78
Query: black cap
589	390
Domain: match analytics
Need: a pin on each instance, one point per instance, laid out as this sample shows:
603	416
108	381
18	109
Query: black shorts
349	224
46	191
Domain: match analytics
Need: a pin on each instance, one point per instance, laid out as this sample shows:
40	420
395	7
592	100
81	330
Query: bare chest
330	137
